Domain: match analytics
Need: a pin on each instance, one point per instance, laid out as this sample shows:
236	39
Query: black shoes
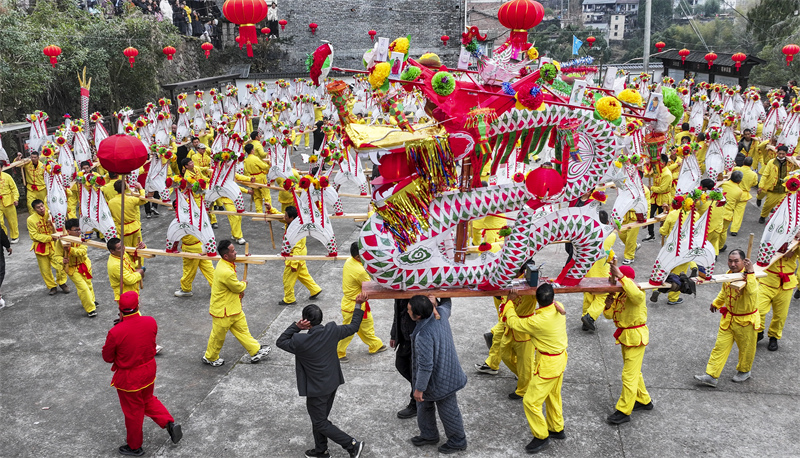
313	453
724	248
409	412
734	234
514	396
618	418
125	450
355	449
537	445
175	432
282	302
315	296
761	220
446	449
639	406
487	337
758	202
558	435
773	344
419	441
649	238
797	294
760	336
588	323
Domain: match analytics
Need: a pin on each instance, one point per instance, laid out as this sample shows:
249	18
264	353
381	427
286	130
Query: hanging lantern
283	23
266	31
313	26
131	53
684	53
52	52
739	57
790	51
372	34
544	182
207	47
710	58
169	51
519	16
122	153
660	46
591	41
445	38
246	13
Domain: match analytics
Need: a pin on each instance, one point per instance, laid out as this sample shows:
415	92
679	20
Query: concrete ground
55	398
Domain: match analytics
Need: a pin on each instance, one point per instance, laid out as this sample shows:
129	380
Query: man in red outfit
131	349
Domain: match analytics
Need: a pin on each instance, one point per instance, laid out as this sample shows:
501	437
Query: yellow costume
49	253
133	217
749	180
775	293
297	270
739	323
200	172
79	269
130	277
701	156
8	195
629	312
190	244
593	304
498	334
661	190
226	312
108	189
353	274
629	237
258	149
488	230
733	196
666	228
255	167
517	351
772	183
298	134
34	184
202	160
548	328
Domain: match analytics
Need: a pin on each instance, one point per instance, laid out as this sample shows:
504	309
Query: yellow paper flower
557	64
379	74
400	45
618	164
631	97
608	108
533	54
687	203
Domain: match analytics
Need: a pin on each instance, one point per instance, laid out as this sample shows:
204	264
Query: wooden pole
246	253
271	235
750	245
122	234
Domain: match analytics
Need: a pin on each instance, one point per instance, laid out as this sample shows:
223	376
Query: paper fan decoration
319	63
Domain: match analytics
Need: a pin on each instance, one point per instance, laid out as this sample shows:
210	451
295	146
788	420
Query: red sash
618	332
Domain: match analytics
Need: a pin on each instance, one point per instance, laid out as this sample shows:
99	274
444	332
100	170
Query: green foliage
720	35
775	72
661	14
773	20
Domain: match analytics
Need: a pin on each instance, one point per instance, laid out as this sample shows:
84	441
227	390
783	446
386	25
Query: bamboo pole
750	245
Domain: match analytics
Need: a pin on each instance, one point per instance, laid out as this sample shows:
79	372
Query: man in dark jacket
319	373
402	327
437	375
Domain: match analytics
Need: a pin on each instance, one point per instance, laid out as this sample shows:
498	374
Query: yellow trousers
234	221
778	300
745	338
675	295
628	238
261	195
738	216
46	263
85	290
10	213
547	392
723	236
593	304
290	277
30	196
366	332
771	200
713	237
496	352
298	136
633	388
190	267
519	356
237	325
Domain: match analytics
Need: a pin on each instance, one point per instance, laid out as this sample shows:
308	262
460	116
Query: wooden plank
278	188
18	163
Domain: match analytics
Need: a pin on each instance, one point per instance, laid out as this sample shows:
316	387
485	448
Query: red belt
549	354
83	270
724	311
784	277
618	332
259	173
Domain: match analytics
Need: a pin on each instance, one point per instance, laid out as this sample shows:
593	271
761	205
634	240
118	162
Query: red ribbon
366	309
724	311
41	247
618	332
83	270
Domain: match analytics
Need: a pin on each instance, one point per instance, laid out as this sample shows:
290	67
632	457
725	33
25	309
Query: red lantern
52	52
660	46
684	53
246	13
207	47
122	153
444	39
790	51
372	34
131	53
266	31
710	58
519	16
544	182
169	51
313	26
283	23
739	57
591	41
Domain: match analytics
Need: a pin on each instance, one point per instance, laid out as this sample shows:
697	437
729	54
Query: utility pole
648	15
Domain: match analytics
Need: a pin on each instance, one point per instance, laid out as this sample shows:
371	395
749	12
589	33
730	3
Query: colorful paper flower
444	83
380	73
484	247
608	108
792	184
631	97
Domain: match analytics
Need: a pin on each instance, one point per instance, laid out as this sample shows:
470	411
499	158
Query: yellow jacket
629	312
40	229
298	250
8	190
660	192
733	195
318	113
201	160
601	267
226	291
72	200
524	307
34	176
772	178
254	166
701	156
741	304
781	275
749	180
353	275
78	256
258	149
207	139
130	278
548	328
671	220
108	189
133	217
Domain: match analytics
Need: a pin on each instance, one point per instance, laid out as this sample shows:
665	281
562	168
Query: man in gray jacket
319	373
437	375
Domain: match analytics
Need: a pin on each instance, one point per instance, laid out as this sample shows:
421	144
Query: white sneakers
262	353
182	293
741	376
14	240
216	363
159	348
241	241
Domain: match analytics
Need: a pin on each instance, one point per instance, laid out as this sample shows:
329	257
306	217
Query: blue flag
576	45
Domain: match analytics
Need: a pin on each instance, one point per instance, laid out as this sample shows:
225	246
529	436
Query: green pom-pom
548	72
444	83
472	46
411	73
505	231
618	223
673	103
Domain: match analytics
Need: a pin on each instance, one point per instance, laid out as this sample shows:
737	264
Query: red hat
628	272
129	302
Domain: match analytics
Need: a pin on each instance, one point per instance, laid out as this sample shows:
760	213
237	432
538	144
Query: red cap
628	272
129	302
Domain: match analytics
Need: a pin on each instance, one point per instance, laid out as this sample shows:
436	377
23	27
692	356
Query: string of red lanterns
591	41
283	23
444	39
739	57
313	26
684	53
372	34
207	47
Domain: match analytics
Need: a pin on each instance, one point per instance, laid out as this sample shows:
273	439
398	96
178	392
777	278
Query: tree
773	20
661	16
711	8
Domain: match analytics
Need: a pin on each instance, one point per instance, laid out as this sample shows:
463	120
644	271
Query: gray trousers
450	415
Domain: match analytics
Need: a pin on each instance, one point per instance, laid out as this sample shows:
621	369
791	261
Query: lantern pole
122	235
648	15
